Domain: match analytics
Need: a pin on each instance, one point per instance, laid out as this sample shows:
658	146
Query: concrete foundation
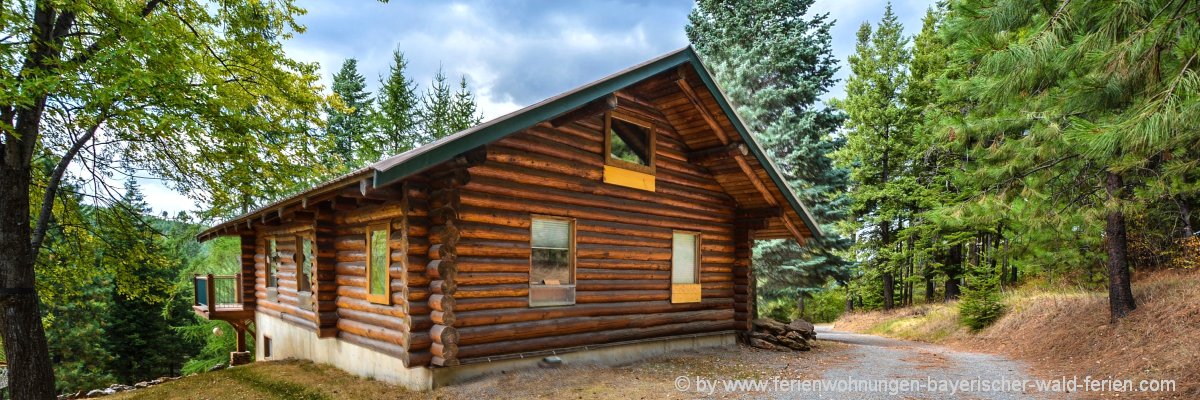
290	341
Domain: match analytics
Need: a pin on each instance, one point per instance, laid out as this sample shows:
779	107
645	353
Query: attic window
628	151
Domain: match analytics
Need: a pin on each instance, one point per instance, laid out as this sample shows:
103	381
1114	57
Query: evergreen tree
437	104
445	111
398	112
351	126
139	337
1085	112
774	61
878	140
463	111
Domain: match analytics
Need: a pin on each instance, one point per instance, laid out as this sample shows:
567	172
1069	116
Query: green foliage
445	111
139	334
825	305
878	138
981	302
398	113
217	256
779	309
774	60
350	124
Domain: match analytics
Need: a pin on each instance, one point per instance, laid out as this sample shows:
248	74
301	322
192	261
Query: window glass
552	264
684	257
272	263
304	279
629	142
551	244
378	261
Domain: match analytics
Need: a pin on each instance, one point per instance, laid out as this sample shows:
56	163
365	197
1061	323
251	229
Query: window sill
551	295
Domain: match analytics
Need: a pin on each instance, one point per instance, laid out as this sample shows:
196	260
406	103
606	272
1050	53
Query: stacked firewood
774	335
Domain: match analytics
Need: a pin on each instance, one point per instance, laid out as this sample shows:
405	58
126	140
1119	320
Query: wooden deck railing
215	292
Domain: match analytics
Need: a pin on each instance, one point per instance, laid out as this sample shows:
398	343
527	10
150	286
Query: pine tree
463	111
878	141
1084	111
398	113
445	111
775	60
437	104
139	337
351	126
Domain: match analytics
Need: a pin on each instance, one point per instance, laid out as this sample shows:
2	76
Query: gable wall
623	243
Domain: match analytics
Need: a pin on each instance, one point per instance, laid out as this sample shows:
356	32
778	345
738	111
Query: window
628	151
552	262
304	262
685	267
266	346
379	255
272	268
305	271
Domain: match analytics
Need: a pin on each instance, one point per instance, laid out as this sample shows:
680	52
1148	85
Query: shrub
981	303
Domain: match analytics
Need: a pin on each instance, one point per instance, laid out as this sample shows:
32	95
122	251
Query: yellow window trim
386	297
628	178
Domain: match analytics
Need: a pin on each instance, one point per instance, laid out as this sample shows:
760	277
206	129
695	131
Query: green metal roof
401	166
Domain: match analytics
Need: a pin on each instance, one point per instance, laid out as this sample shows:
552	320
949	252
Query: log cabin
606	224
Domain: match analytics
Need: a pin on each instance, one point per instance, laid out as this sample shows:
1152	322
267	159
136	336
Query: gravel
876	359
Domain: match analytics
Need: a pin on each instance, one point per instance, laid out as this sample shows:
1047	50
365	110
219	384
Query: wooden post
240	330
211	291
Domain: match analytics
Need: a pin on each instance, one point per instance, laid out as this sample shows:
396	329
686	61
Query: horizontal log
491	303
491	278
571	325
620	296
390	349
510	315
399	325
482	200
472	292
582	339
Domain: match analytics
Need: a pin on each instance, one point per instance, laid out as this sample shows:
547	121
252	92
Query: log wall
623	243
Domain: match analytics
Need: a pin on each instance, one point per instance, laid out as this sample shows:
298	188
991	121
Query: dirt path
931	371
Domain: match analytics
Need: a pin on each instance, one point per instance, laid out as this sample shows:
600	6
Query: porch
220	297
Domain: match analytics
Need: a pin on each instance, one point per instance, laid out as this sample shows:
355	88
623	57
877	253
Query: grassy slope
1068	333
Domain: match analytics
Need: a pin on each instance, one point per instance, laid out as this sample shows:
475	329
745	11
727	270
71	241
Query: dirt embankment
1069	334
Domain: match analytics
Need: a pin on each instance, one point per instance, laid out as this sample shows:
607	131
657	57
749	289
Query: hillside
1066	333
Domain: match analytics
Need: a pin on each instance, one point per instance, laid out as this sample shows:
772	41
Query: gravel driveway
881	366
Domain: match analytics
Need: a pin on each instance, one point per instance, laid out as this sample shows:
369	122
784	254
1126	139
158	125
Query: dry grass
1067	333
650	379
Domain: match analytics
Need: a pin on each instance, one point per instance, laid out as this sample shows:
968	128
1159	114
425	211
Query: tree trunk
1185	213
889	291
1120	291
800	305
1012	269
849	303
929	288
30	373
953	272
889	281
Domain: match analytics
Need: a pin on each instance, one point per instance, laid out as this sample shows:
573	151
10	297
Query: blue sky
515	53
